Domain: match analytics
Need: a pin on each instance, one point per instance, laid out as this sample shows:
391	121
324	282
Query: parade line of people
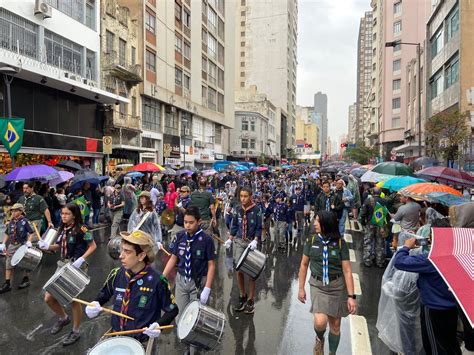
190	216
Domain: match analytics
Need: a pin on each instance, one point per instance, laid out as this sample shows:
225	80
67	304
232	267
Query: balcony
116	119
130	73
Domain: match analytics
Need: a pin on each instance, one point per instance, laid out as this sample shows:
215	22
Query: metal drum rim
129	339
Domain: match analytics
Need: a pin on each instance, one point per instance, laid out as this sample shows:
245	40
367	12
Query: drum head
188	319
19	254
242	258
118	346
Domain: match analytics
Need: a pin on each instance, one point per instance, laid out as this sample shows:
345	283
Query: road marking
352	255
348	237
360	341
357	289
356	226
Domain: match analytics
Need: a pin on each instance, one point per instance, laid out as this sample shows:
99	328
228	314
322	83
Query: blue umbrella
286	166
447	198
241	168
134	174
32	172
399	182
184	171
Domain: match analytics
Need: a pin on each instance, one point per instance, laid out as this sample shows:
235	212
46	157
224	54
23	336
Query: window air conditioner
44	9
187	132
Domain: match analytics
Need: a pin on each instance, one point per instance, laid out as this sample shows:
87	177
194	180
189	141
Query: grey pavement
280	325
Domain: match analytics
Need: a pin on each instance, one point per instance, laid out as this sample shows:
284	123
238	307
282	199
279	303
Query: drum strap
127	294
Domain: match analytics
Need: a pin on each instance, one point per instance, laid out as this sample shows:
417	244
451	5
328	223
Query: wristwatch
351	296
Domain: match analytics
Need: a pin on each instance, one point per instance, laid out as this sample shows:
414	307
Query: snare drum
27	258
118	346
50	236
201	326
113	247
67	283
251	263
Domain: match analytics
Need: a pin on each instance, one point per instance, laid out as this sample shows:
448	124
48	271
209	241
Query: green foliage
262	159
361	153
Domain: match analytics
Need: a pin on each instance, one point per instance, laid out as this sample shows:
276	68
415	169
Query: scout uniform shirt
202	250
298	202
18	230
281	212
74	244
247	224
337	252
35	206
149	294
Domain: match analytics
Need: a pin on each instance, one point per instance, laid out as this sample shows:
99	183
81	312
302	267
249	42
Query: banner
11	134
82	203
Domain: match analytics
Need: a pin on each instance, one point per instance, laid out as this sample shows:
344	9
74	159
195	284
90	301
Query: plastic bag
398	320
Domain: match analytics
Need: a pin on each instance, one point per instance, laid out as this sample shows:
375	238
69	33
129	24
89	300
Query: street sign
107	144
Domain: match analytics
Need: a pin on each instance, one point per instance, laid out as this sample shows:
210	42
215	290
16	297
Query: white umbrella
371	176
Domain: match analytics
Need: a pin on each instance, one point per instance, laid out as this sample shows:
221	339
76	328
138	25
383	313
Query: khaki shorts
238	247
10	251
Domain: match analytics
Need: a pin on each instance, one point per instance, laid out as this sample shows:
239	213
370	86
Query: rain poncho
151	225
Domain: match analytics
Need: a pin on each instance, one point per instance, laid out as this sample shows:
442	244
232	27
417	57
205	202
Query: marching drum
49	237
67	283
118	346
251	263
201	326
113	247
27	258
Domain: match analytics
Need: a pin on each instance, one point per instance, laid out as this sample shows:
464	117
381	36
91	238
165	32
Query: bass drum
113	247
118	346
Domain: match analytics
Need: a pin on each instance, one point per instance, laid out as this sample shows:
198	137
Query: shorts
10	251
239	247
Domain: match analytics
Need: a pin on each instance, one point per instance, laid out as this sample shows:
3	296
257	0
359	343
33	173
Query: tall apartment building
187	48
307	131
351	120
321	114
266	44
449	66
403	21
55	51
364	75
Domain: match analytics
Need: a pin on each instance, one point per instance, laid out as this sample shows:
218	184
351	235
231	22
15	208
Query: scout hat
144	240
19	207
145	193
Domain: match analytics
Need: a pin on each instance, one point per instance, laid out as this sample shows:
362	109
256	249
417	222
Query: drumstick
108	310
134	331
218	239
37	232
165	251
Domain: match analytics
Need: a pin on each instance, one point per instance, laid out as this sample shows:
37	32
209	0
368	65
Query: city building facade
307	132
321	119
351	119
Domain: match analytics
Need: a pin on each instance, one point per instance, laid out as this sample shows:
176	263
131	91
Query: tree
446	132
361	153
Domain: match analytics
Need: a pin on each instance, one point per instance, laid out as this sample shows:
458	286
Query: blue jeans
95	217
342	222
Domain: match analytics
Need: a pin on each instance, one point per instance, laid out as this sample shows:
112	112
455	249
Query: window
211	99
178	45
133	56
204	36
452	72
218	134
62	53
204	64
151	114
220	54
212	73
186	81
397	65
245	143
178	76
220	29
396	84
242	13
134	106
211	19
396	103
436	84
187	18
397	8
177	11
72	8
396	122
109	42
187	50
452	24
397	48
90	65
245	125
220	103
212	46
90	14
204	95
18	34
122	49
252	143
150	60
220	78
252	126
397	28
150	21
171	123
436	42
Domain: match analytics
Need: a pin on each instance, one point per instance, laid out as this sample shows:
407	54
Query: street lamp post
8	72
185	123
418	60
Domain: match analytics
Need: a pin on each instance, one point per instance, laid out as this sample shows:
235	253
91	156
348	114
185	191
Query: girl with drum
152	224
76	244
331	282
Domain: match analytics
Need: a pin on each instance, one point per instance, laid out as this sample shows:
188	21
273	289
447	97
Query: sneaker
241	305
5	288
24	283
71	338
59	325
249	307
318	347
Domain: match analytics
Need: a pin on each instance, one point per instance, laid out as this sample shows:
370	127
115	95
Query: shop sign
219	156
171	146
107	144
172	161
204	156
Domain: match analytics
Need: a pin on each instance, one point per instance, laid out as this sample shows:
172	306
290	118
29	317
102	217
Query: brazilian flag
82	203
11	134
380	215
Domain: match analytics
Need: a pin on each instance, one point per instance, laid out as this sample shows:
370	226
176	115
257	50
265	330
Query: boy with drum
246	230
18	232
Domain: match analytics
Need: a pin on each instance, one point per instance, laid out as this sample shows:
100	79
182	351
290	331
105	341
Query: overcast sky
327	55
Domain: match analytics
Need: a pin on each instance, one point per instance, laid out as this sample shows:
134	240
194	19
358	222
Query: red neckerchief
13	232
244	220
66	229
127	294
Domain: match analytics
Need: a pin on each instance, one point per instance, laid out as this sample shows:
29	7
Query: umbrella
241	168
85	175
168	171
63	177
261	168
447	199
134	174
148	167
330	169
398	182
69	164
392	168
358	172
184	171
371	176
208	172
287	166
424	162
452	255
32	172
444	174
420	191
123	166
191	168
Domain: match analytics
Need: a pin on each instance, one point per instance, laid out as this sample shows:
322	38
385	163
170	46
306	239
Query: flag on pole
82	203
11	134
380	215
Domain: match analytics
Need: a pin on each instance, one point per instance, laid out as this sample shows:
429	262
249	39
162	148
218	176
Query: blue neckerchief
187	261
325	260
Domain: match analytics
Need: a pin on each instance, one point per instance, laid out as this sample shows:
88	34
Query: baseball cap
143	239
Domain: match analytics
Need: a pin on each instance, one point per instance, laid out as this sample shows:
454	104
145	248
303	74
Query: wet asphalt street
280	325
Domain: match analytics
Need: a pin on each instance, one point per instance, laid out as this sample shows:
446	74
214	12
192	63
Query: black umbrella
424	162
69	164
85	175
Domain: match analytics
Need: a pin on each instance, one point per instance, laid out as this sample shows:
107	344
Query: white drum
118	346
201	326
